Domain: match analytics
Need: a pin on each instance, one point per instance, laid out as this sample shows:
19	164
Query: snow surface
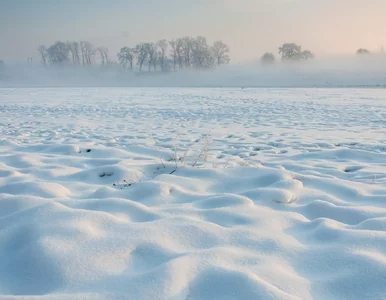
286	199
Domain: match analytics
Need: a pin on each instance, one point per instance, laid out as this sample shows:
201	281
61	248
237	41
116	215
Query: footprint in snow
353	169
106	174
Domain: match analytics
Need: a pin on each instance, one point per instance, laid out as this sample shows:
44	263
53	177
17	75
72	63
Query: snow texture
286	199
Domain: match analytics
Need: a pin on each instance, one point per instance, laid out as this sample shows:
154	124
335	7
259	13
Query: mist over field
248	43
367	71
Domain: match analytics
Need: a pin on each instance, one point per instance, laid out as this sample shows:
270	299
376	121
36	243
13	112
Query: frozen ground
286	199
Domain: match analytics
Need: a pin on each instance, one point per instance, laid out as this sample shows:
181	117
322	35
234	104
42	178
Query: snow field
288	200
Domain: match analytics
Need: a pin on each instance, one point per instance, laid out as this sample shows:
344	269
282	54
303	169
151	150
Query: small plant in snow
123	184
192	156
203	153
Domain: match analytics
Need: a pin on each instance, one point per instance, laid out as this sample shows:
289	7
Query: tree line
177	54
163	55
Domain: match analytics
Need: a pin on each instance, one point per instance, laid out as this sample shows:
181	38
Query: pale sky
250	27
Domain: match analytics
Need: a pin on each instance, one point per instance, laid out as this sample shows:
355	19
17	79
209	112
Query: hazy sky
250	27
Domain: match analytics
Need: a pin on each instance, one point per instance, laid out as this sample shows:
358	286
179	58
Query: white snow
286	199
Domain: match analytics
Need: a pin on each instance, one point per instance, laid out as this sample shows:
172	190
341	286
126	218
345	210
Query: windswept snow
286	199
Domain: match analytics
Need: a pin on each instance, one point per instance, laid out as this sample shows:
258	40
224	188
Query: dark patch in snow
353	169
106	174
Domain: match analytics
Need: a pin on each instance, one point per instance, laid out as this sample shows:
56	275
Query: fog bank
367	71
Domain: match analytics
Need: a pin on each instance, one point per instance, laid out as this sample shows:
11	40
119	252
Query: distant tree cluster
181	53
77	53
292	51
365	52
288	52
362	51
268	58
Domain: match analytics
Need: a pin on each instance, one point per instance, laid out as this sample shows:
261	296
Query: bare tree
292	51
142	54
104	55
179	52
43	54
187	45
163	46
88	52
58	53
173	45
82	51
155	59
152	54
126	56
202	56
196	52
221	51
75	49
